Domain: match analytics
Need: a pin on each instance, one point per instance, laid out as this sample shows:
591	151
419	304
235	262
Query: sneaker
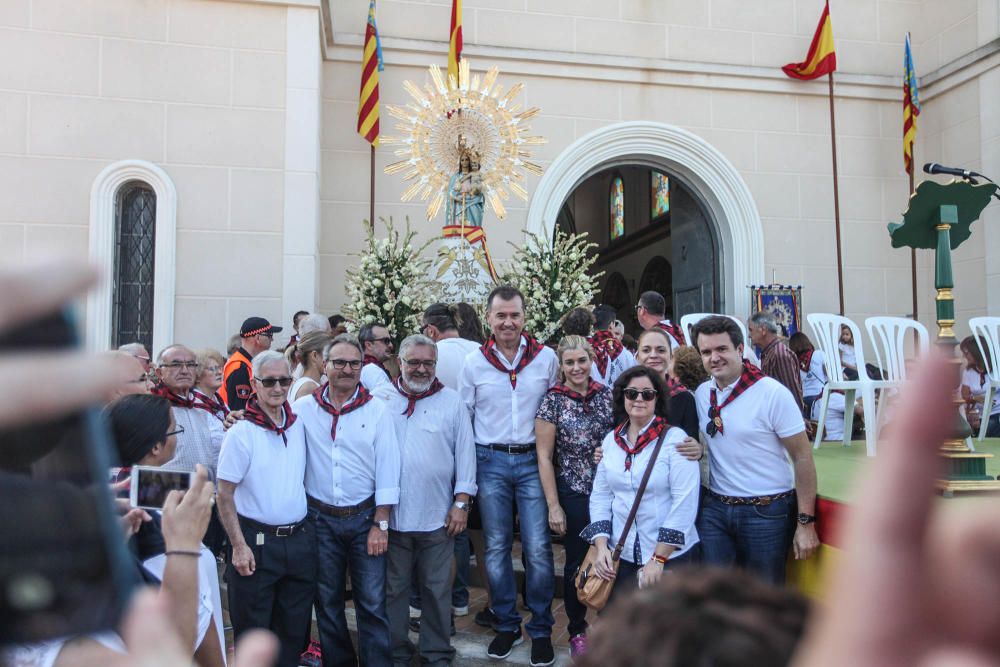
414	612
541	652
486	618
504	643
460	611
577	645
313	656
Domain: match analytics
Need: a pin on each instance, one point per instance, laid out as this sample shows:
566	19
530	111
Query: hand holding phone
186	513
150	485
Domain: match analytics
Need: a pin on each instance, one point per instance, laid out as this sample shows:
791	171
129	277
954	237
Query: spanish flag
911	106
821	59
455	39
371	65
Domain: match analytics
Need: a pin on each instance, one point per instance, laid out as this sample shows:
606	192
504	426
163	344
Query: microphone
935	168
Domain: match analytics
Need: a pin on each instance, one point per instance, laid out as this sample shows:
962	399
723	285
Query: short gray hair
313	322
343	339
414	341
266	357
765	321
172	346
133	348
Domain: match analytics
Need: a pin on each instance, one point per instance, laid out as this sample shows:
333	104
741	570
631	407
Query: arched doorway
705	174
616	294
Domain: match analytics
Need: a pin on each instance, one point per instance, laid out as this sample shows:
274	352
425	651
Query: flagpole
836	198
371	195
913	258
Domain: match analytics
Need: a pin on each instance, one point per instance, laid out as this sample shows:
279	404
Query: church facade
205	152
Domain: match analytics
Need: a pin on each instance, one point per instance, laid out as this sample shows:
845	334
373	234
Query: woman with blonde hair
571	422
208	381
309	353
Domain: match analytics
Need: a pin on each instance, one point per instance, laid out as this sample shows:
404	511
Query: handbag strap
616	554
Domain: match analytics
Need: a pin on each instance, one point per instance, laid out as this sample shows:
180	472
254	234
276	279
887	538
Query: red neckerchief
675	387
672	330
531	351
362	397
214	404
805	358
255	415
593	387
369	359
411	399
748	377
175	400
646	437
606	348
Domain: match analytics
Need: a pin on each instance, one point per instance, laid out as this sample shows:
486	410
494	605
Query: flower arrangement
553	278
391	284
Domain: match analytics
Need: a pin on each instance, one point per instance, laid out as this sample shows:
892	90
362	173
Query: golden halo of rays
478	110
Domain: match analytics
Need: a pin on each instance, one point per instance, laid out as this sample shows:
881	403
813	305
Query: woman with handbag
571	421
645	495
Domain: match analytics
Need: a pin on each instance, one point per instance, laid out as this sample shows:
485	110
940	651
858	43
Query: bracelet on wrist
182	552
662	560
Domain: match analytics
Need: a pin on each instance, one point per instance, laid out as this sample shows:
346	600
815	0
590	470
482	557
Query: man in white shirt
502	385
759	503
352	482
651	311
436	485
262	503
376	345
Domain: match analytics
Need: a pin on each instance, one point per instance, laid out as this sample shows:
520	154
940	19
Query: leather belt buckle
284	531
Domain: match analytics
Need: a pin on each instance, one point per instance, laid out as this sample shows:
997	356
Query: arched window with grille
616	207
134	265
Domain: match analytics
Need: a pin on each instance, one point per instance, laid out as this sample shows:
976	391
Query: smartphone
64	565
150	485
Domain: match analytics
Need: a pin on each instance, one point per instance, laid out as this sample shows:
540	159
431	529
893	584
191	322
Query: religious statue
466	202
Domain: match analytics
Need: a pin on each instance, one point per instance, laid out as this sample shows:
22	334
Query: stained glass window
135	223
617	207
659	194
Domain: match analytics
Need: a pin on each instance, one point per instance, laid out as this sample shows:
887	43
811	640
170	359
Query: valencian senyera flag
911	106
371	65
822	58
455	38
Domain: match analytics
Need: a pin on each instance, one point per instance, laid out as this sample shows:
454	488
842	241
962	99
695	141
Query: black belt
510	448
751	500
341	512
276	531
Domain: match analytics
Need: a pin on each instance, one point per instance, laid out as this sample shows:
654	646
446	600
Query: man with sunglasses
377	346
256	336
352	482
262	501
438	480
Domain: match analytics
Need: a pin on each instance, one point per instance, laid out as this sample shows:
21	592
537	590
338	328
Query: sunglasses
381	340
270	382
633	394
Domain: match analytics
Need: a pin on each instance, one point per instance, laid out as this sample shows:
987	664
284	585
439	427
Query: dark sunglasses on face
633	394
381	340
270	382
339	364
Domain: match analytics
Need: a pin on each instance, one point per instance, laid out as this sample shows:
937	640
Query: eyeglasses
339	364
423	329
188	365
414	364
269	336
270	382
633	394
386	339
176	431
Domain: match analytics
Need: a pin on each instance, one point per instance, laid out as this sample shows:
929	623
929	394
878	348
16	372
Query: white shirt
374	377
624	361
673	341
848	356
269	475
833	429
298	384
501	414
200	442
363	460
438	457
814	379
748	459
970	379
668	507
451	358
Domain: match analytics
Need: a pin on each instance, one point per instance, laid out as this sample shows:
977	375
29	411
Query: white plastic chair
689	320
826	327
888	336
988	329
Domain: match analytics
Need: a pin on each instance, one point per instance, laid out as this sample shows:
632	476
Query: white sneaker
414	612
460	611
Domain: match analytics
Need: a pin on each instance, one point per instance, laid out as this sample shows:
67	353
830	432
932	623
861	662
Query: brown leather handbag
591	589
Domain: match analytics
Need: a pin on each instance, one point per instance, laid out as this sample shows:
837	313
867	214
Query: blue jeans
754	537
343	546
504	479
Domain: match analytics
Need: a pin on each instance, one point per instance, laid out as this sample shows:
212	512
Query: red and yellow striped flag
911	107
822	58
371	65
455	39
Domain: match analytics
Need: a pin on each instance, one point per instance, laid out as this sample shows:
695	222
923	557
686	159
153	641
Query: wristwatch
805	519
382	525
462	505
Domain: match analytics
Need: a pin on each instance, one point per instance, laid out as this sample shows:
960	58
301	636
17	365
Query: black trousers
278	596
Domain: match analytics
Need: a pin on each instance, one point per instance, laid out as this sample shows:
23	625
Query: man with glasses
137	350
262	501
377	346
256	336
352	482
436	485
651	311
136	380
